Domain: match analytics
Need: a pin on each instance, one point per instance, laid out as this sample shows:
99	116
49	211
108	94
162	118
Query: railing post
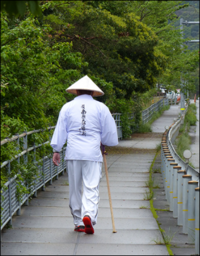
51	166
43	161
169	161
186	178
171	177
25	146
197	221
34	161
175	191
18	160
180	198
191	211
51	169
9	196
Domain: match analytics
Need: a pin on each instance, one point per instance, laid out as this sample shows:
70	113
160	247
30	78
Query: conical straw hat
85	83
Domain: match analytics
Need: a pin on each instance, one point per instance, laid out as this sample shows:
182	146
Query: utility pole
182	22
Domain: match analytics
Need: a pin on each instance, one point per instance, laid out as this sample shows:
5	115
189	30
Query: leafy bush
183	140
183	144
143	128
193	107
190	116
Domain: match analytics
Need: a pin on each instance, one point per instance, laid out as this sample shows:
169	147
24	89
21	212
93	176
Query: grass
183	143
157	170
190	117
162	210
193	107
166	238
149	182
148	195
156	186
143	128
143	207
158	147
183	140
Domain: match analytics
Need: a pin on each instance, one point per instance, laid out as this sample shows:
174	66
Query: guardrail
181	183
147	113
46	172
117	119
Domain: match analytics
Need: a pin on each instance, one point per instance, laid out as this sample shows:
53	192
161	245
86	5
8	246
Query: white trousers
84	174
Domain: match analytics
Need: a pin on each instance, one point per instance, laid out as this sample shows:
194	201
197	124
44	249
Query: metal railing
10	203
181	183
147	113
117	119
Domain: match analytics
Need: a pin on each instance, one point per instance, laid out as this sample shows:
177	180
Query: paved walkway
194	134
151	140
166	119
46	228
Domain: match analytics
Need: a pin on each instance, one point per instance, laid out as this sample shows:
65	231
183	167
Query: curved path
46	228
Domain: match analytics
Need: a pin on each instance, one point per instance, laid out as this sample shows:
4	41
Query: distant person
85	123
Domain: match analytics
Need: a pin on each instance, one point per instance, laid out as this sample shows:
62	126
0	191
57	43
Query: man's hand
103	149
56	158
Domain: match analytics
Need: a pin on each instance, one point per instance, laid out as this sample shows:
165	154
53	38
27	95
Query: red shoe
88	225
79	229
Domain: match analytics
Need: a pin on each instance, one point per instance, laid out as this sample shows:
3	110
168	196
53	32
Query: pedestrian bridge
43	225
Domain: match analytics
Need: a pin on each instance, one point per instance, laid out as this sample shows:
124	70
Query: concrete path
194	134
151	140
46	228
166	119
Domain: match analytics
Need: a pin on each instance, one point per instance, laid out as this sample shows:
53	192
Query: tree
118	50
36	74
19	8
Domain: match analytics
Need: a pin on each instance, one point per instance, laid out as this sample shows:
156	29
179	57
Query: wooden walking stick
108	186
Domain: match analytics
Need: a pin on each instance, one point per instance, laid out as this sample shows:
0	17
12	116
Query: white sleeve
60	133
109	135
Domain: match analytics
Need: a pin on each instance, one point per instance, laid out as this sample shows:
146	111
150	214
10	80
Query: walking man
85	124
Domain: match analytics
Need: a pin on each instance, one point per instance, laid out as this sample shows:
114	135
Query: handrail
23	153
170	136
147	113
181	183
15	137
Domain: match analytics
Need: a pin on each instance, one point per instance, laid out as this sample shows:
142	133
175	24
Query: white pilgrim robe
84	123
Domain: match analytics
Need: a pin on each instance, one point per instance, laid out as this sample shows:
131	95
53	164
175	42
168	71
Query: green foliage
183	140
107	42
37	73
148	195
19	8
164	18
143	128
193	107
183	144
191	117
126	47
158	148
